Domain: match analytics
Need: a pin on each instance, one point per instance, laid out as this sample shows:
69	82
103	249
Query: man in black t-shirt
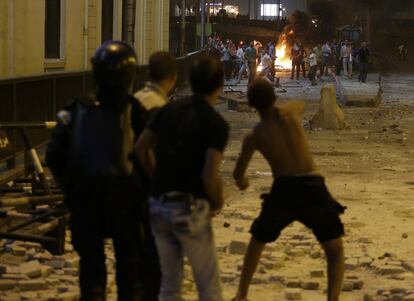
182	150
363	58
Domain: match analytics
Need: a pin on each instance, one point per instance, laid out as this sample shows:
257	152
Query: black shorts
305	199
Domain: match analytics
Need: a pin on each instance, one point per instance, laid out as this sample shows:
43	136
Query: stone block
237	105
6	285
351	264
390	270
310	285
409	297
317	273
32	285
291	283
348	286
329	115
293	294
32	269
237	247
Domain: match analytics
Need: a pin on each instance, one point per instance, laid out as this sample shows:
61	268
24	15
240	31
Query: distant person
296	57
364	57
346	56
326	55
298	193
243	65
182	150
313	63
267	63
402	53
251	56
163	76
272	53
318	53
226	59
303	55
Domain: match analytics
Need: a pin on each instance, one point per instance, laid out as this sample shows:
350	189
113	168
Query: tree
325	17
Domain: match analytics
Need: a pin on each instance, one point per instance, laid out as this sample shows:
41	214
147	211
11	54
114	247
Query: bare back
281	140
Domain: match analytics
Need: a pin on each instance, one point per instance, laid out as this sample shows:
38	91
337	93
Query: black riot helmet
114	68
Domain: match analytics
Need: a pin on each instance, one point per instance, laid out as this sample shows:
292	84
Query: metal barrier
39	98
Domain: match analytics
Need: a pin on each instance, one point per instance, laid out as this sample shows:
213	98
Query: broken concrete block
368	297
293	294
18	251
409	297
32	285
348	286
365	261
237	247
329	115
317	273
6	285
32	269
69	296
390	270
291	283
309	285
351	264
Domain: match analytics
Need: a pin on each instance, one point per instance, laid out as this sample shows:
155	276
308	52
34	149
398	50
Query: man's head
252	44
114	68
364	45
163	70
261	95
207	77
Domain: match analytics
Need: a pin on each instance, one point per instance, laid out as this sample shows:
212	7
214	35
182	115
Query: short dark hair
162	65
261	95
207	76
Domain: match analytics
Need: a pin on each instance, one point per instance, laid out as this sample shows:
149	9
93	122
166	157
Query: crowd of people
144	172
315	62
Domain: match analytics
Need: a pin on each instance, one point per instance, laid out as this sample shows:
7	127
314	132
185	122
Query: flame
283	60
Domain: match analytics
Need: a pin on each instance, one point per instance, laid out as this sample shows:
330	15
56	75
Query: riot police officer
90	156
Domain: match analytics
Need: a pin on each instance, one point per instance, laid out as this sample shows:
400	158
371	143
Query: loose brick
32	285
6	285
293	294
237	247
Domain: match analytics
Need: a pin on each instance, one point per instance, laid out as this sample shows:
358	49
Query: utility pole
128	23
182	50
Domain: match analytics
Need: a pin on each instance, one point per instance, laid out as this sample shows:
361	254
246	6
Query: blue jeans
181	228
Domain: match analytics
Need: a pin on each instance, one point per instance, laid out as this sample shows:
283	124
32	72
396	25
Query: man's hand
242	183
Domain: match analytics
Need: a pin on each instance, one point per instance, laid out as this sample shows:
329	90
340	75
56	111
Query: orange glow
283	60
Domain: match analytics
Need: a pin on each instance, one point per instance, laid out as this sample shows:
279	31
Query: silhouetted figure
90	156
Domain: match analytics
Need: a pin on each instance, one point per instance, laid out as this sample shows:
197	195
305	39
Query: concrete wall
22	34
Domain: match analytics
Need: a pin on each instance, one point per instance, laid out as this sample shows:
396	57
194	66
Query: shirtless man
298	192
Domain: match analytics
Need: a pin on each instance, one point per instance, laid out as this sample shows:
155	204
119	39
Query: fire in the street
283	60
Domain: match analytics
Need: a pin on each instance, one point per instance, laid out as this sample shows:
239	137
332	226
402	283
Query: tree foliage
325	14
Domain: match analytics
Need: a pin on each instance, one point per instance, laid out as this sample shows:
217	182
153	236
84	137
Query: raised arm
211	179
144	151
239	173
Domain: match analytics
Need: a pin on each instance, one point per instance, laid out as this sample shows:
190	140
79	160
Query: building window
52	29
269	10
107	20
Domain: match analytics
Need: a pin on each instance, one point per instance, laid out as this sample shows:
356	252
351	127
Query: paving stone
237	247
309	285
72	262
69	296
32	285
368	297
351	264
365	261
71	271
18	251
56	263
348	286
276	279
317	273
409	297
6	284
293	294
398	290
390	270
397	297
315	254
291	283
32	269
